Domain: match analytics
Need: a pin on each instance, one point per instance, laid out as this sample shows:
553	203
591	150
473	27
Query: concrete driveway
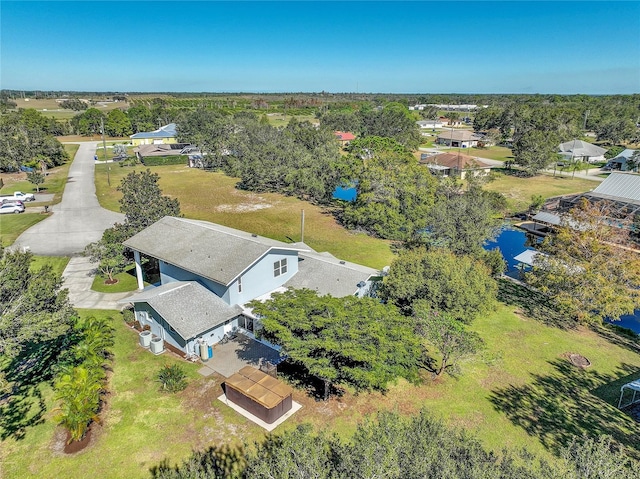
78	219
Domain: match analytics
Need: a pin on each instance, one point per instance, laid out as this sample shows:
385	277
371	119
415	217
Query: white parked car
11	208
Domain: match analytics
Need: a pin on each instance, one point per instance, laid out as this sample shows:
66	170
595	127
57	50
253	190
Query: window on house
280	267
239	284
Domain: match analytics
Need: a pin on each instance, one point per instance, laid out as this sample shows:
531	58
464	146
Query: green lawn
12	226
521	391
500	153
519	190
126	282
58	263
213	197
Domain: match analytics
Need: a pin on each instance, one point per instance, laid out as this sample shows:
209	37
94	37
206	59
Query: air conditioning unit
145	339
157	345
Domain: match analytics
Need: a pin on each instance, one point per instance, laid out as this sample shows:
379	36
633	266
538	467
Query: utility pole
104	146
586	115
302	226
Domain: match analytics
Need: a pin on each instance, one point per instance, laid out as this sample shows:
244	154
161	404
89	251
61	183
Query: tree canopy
395	193
357	342
27	137
142	200
396	446
462	221
586	270
460	286
34	307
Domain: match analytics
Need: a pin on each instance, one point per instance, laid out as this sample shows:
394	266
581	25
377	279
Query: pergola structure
632	386
620	208
619	194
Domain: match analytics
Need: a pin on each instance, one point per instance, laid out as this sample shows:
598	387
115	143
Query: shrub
172	378
128	316
165	160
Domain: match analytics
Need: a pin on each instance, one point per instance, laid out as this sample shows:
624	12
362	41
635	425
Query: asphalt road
78	219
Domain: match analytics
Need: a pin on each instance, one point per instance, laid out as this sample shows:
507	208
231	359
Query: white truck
17	196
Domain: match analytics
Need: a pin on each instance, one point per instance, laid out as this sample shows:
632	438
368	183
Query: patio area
239	352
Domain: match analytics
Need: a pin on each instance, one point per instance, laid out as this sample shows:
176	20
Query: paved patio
237	353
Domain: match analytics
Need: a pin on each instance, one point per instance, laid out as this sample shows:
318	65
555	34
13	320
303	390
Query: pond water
345	192
512	242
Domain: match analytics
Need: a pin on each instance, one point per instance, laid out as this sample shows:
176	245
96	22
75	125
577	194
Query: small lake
512	242
345	192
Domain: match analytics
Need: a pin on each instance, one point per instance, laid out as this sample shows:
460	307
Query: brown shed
262	395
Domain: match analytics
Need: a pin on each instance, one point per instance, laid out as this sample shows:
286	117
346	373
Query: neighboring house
459	139
455	164
449	122
208	272
164	134
344	137
430	124
621	162
578	150
164	149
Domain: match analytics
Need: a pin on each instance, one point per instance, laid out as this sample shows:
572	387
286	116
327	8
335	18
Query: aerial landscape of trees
421	326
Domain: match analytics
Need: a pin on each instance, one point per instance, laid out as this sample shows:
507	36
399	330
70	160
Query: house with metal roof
164	134
622	161
578	150
209	272
618	194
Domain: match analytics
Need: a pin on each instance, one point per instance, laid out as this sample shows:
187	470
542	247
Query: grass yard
49	107
213	197
521	391
58	263
12	226
519	190
500	153
126	282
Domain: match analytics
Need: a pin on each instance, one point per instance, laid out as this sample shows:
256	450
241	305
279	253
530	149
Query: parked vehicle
11	208
16	202
18	195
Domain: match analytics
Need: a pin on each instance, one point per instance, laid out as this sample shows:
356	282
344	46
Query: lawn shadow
23	406
533	304
571	402
621	337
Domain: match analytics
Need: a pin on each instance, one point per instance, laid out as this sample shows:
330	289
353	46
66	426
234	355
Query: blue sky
400	47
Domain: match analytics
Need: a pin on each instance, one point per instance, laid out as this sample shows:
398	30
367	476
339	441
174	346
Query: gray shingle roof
327	275
581	148
207	249
166	131
188	307
622	186
459	135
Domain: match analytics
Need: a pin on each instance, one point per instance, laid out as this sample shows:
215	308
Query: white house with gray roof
578	150
208	271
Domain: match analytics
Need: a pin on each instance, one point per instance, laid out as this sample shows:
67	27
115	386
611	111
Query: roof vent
342	262
254	235
361	284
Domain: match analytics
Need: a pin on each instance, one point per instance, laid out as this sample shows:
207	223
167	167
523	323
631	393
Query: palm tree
79	396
